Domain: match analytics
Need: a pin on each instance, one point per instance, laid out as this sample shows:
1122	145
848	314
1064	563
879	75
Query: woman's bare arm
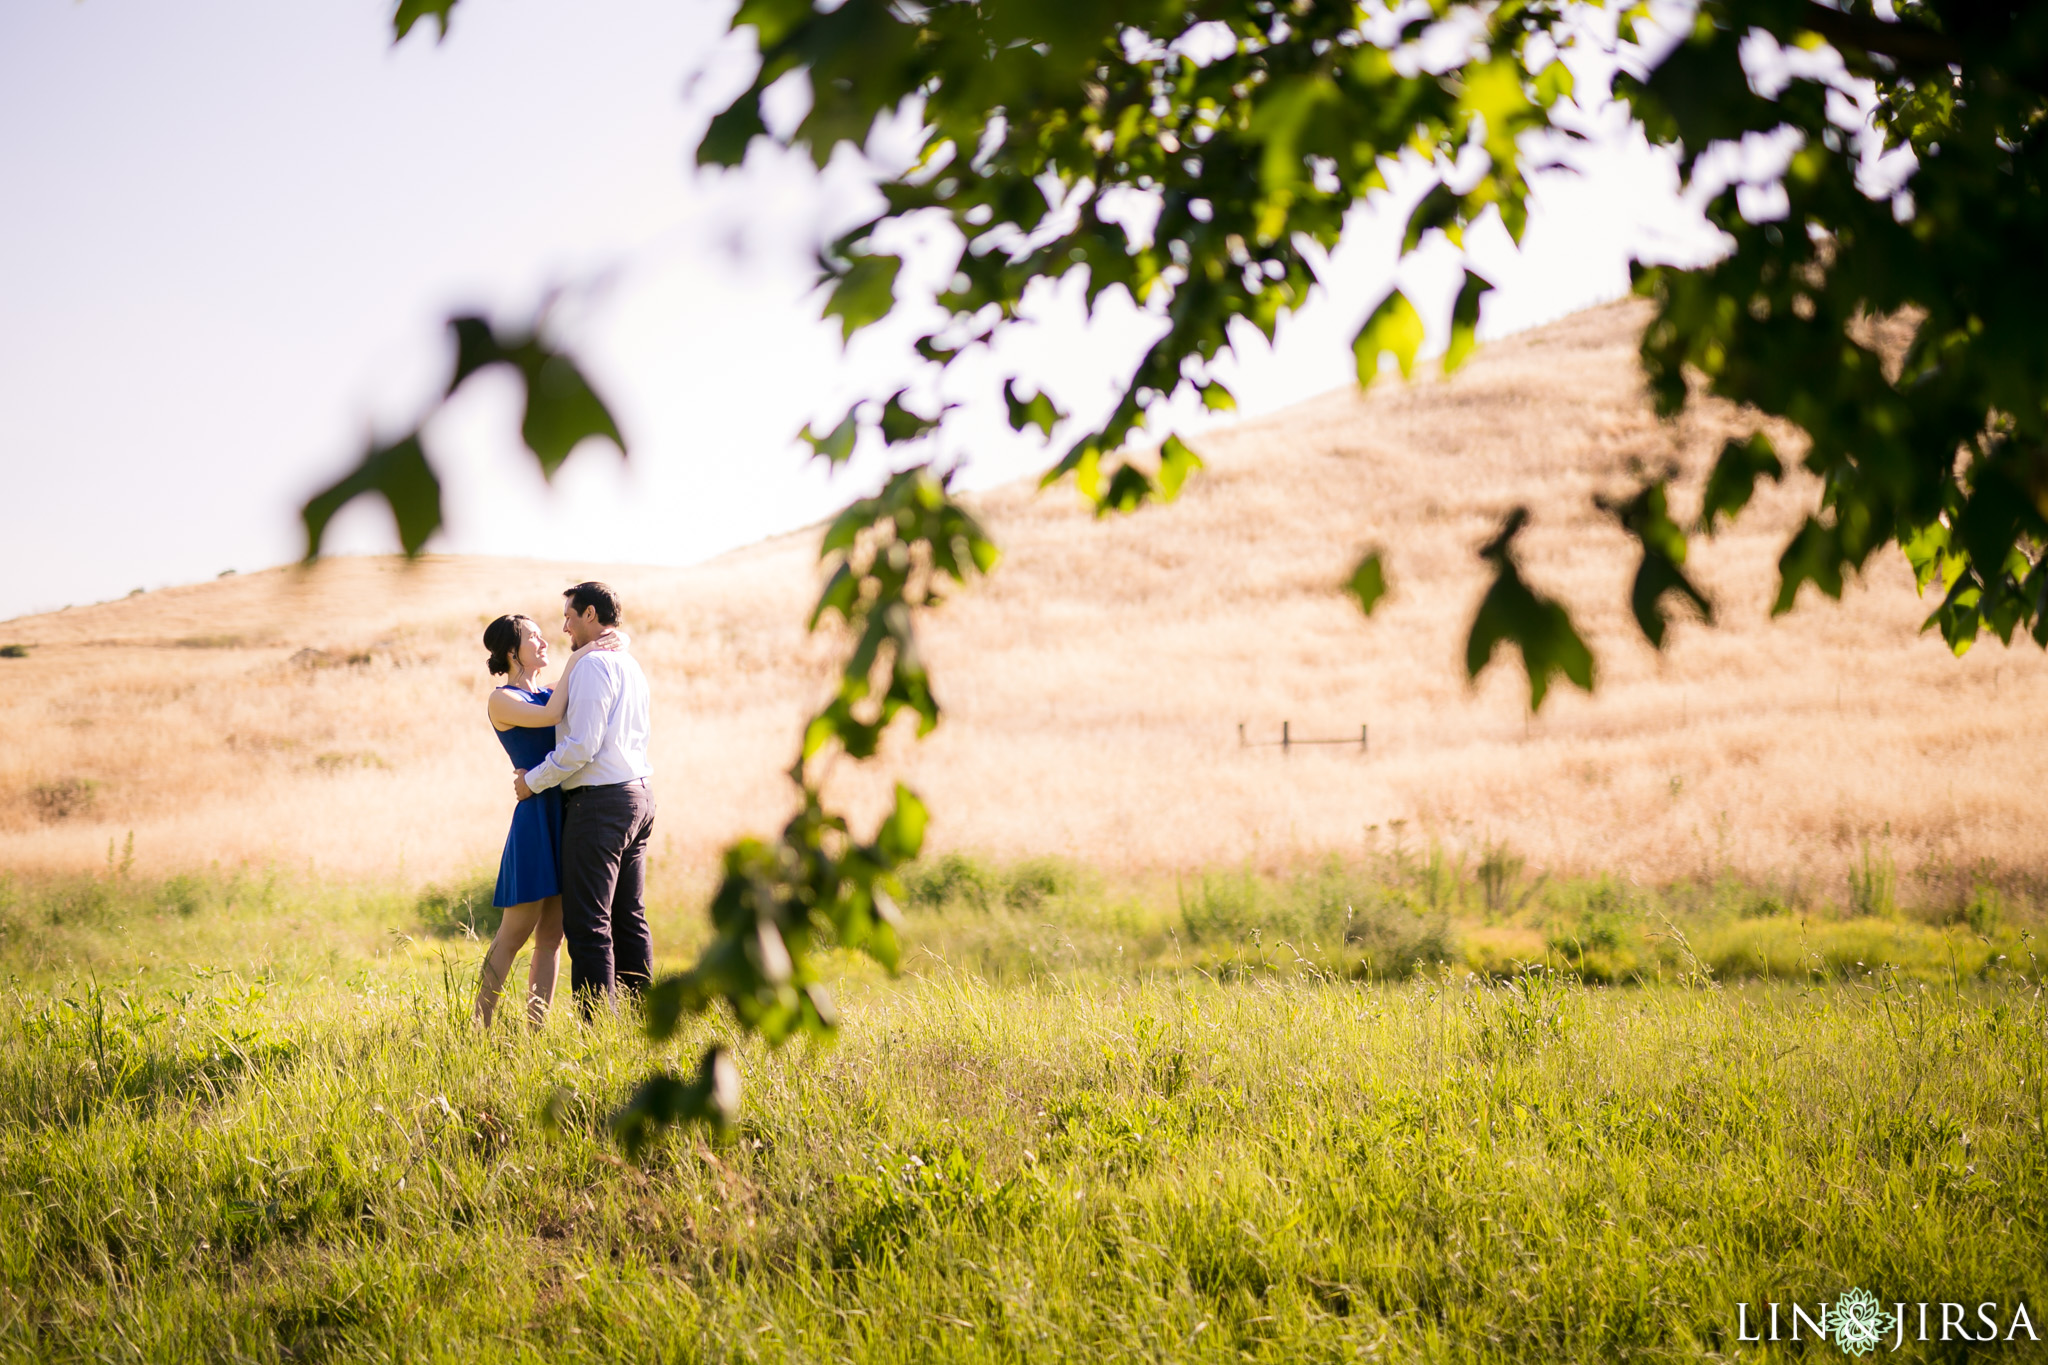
558	704
508	711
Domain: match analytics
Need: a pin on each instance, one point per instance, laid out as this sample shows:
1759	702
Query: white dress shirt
602	739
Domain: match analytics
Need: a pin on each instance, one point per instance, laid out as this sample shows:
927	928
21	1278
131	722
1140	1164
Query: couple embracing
574	869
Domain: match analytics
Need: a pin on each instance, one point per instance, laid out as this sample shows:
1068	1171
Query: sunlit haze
232	231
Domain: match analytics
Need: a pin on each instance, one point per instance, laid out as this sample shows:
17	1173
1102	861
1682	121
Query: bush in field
1604	948
65	797
460	909
958	881
1383	931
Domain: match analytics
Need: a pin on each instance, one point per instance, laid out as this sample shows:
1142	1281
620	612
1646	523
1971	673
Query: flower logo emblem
1856	1322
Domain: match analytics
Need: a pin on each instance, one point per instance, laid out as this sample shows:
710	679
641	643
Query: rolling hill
1095	685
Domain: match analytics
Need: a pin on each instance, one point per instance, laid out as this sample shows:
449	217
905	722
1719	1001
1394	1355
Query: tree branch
1907	44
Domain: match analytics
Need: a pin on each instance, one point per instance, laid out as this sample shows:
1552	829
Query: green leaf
563	411
663	1101
1625	26
410	12
1216	398
663	1004
726	140
1814	556
772	20
863	293
1647	517
1436	210
1538	626
1990	519
476	346
1287	111
1036	411
901	836
836	446
1368	582
1394	326
1493	91
1176	462
1655	577
899	424
1084	461
1553	83
1465	321
1129	489
1930	552
1958	615
1733	480
400	474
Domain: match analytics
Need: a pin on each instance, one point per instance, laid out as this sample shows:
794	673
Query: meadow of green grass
1383	1110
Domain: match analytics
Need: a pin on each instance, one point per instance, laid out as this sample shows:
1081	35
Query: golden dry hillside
1096	683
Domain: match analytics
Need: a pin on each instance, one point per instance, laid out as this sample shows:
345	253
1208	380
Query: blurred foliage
461	909
562	410
957	881
1199	159
1944	452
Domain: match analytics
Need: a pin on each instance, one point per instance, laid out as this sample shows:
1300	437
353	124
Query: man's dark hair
501	637
584	596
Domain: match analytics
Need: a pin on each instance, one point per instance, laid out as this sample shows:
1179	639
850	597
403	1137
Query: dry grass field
1095	685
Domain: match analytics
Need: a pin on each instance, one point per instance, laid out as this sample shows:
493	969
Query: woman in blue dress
529	874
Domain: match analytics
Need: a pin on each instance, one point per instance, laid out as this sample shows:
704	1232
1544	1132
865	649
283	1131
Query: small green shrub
952	881
461	909
1604	947
1223	909
1985	913
960	881
64	798
1874	883
1500	874
182	895
80	902
1029	884
1395	941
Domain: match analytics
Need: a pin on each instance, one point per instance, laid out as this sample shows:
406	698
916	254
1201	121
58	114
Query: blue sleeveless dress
532	865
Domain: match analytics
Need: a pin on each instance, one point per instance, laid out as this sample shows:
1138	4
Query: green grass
1117	1122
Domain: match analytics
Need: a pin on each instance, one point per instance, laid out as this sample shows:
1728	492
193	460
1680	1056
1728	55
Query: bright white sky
231	230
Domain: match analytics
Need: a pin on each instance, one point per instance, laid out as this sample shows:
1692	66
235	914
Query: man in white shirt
600	763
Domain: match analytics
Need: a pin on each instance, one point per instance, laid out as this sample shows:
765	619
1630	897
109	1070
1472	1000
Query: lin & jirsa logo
1858	1323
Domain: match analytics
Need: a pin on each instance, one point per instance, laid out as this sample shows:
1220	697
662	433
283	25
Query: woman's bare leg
540	970
513	931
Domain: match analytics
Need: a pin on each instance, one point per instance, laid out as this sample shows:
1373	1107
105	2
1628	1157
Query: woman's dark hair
501	637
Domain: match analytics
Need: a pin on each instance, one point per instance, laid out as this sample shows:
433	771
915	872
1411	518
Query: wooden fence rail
1287	740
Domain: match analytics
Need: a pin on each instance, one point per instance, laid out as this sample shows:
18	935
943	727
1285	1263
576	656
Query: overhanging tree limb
1913	46
1254	139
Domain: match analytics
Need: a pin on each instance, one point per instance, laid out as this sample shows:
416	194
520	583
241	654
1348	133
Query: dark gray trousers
604	889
